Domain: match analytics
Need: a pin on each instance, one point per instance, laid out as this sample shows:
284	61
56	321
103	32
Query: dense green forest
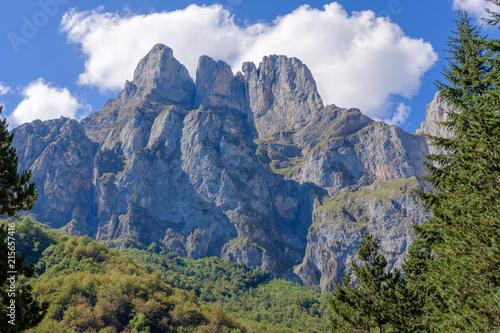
91	288
450	281
247	294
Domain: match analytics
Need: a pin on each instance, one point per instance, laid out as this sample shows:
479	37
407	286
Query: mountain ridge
234	165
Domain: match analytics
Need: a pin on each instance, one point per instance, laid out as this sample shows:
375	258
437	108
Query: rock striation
387	209
282	94
217	87
159	80
159	76
436	113
61	158
251	167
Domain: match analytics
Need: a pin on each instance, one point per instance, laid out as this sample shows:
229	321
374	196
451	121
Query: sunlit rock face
251	167
436	113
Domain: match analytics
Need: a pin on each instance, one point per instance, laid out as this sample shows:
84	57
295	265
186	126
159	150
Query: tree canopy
19	309
369	303
463	235
16	193
451	278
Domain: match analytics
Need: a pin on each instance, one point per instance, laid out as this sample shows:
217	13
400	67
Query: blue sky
68	57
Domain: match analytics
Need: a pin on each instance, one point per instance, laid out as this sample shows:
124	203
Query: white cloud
358	60
475	7
3	89
399	117
114	44
41	101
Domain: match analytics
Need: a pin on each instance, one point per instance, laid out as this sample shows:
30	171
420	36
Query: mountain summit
251	167
160	77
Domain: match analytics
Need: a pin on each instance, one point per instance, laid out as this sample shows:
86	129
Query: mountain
250	167
436	113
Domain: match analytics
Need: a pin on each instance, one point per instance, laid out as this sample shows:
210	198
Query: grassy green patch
379	190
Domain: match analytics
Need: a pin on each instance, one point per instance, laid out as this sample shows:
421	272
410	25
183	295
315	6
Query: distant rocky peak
436	113
157	64
161	77
282	94
216	86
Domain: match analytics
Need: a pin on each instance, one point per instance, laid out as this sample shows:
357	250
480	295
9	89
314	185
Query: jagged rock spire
216	86
282	94
161	77
436	113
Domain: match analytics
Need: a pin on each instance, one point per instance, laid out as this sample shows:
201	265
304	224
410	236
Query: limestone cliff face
341	147
387	209
161	77
62	160
159	80
217	87
436	113
250	167
282	94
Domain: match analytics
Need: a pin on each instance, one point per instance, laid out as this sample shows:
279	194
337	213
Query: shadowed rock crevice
250	167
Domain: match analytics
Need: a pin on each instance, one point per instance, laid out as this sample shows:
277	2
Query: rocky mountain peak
282	94
179	164
436	112
161	77
216	86
159	80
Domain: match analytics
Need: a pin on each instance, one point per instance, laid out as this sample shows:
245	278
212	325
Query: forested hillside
91	288
194	205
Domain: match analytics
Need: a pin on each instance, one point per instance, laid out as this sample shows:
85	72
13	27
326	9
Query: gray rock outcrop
159	80
436	113
160	77
61	158
250	167
342	147
217	87
282	94
387	209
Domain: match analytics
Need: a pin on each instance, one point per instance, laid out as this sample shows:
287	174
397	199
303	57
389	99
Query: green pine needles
16	296
450	281
463	236
379	301
15	192
359	308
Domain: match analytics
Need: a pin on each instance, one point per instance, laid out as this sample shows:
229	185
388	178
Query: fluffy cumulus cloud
358	59
114	44
42	101
399	117
475	7
3	89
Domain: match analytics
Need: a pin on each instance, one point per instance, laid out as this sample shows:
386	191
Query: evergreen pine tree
417	300
494	16
15	194
463	235
370	303
28	310
15	191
